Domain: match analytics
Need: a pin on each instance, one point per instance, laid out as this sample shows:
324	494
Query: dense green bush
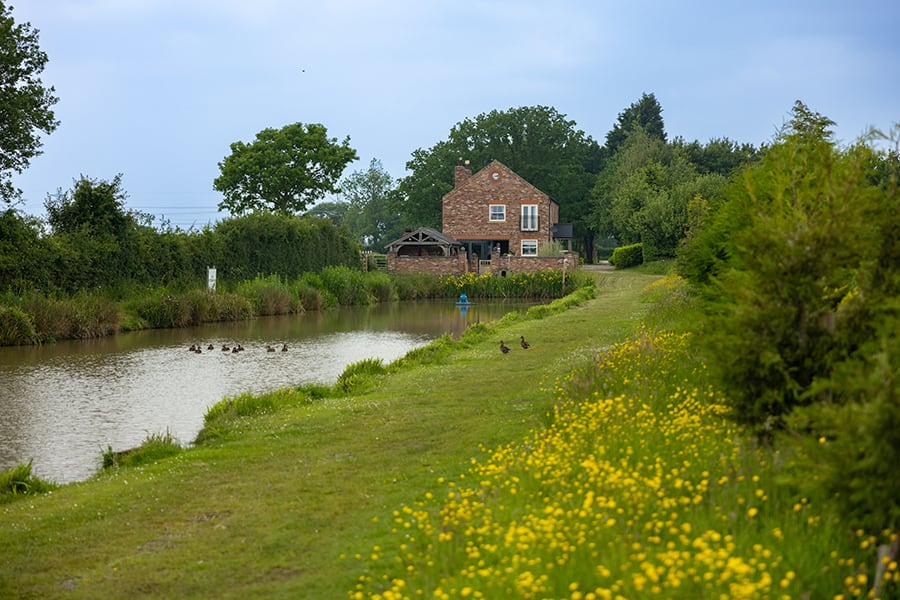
16	327
96	242
418	286
798	275
348	286
268	295
165	308
627	256
265	244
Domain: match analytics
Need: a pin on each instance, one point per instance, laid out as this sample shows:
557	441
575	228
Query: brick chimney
462	172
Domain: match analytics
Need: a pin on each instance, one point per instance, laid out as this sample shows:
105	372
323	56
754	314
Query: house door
480	247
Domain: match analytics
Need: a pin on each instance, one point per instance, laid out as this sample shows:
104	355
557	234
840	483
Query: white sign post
211	278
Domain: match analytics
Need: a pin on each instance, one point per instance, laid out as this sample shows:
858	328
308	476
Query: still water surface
62	405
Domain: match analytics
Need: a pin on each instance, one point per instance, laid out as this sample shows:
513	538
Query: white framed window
529	217
529	247
497	212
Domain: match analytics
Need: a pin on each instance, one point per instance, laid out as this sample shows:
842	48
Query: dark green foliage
165	308
798	273
25	102
282	170
266	244
18	482
643	194
269	296
645	114
24	254
369	216
16	327
156	447
96	243
721	156
627	256
419	286
788	247
855	447
347	286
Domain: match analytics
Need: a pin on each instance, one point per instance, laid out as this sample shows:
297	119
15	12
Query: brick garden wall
434	265
456	265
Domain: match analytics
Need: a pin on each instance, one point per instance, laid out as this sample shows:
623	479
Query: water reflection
62	404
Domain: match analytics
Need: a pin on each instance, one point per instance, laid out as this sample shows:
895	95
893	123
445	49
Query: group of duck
198	348
525	345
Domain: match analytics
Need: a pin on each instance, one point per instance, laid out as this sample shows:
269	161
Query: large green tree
537	142
799	272
25	102
720	156
93	233
645	113
643	193
282	170
370	218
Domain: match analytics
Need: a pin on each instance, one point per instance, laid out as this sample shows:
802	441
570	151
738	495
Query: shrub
16	327
268	295
51	317
380	286
346	285
627	256
307	297
419	286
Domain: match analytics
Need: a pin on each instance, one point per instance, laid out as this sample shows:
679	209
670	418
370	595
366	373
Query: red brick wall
529	264
456	265
435	265
466	208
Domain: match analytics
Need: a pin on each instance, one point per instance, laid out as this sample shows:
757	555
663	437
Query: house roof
423	236
483	173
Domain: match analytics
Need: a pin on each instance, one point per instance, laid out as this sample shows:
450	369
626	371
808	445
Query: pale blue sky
158	89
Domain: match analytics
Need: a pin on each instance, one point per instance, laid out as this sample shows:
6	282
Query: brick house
502	222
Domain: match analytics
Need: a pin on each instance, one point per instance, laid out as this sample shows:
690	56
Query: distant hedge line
86	258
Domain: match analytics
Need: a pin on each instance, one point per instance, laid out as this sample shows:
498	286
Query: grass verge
269	504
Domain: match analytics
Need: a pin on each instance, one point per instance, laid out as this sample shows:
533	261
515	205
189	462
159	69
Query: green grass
269	505
596	464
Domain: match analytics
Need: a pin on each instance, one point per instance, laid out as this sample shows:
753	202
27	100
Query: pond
63	404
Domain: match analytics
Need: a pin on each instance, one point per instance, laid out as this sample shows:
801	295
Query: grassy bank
267	508
35	318
595	464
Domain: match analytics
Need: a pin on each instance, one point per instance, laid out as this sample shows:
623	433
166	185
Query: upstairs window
529	247
497	212
529	217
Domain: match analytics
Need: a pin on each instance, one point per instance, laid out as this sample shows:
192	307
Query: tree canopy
645	113
797	270
25	102
282	170
370	218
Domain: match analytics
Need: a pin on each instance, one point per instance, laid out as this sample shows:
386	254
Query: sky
158	90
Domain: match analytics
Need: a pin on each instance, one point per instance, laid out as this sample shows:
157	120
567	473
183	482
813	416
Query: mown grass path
270	512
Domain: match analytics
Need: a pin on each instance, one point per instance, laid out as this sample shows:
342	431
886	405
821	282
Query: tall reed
16	327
